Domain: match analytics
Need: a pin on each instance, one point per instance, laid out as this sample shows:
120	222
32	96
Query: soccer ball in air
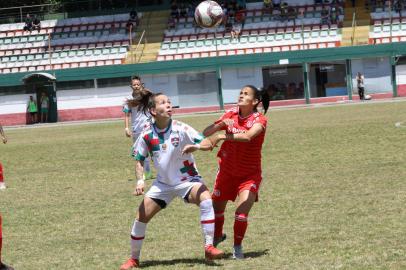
208	14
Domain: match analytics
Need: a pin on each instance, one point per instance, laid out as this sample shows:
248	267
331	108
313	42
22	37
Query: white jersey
139	119
165	148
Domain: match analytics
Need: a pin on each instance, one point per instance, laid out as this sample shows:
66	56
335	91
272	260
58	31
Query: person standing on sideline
140	118
44	107
4	139
32	109
360	84
177	175
2	186
239	173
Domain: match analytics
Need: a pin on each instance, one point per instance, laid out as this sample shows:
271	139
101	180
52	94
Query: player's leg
146	211
2	184
200	195
2	265
245	203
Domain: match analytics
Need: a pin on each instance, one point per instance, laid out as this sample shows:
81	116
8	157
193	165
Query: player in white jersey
140	118
177	175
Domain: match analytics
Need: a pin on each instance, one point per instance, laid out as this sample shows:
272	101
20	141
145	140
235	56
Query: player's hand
215	139
127	132
190	148
4	140
227	122
139	189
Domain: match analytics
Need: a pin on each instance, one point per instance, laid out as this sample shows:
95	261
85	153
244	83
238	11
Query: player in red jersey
2	265
239	173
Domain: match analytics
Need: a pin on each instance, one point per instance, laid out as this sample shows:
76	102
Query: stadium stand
262	32
68	43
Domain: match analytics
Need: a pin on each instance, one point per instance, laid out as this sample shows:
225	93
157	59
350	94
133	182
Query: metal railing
134	58
354	25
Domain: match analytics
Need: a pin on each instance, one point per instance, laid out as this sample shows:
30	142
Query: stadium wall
192	84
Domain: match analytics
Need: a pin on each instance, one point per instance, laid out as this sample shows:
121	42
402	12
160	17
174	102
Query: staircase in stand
359	35
154	23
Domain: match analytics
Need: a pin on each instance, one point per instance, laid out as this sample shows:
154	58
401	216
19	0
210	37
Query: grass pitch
333	196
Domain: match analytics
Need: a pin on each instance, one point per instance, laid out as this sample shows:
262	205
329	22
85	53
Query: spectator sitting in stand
284	11
174	10
325	16
28	23
276	4
291	13
334	15
236	30
133	21
36	23
240	15
267	7
183	11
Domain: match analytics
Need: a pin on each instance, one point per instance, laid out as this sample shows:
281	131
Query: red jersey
242	158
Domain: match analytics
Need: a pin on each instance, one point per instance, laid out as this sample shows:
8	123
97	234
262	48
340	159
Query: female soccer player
177	175
239	173
140	118
2	265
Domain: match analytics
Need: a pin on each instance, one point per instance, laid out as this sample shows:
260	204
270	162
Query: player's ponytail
141	99
265	99
262	95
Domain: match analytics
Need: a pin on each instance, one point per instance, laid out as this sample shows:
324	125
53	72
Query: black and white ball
208	14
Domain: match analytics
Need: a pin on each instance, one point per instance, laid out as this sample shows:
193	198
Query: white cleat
2	185
238	254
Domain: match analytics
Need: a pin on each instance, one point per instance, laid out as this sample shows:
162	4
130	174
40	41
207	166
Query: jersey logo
164	147
189	168
175	141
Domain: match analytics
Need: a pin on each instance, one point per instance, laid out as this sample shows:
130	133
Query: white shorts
162	192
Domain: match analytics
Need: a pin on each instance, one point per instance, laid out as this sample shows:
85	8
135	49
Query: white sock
137	237
207	221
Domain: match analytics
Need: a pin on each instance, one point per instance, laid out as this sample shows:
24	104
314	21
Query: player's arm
139	174
217	126
204	145
127	124
3	136
254	131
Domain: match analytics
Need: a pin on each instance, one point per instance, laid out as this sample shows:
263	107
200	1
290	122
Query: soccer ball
208	14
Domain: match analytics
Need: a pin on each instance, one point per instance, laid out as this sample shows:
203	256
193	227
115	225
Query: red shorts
227	186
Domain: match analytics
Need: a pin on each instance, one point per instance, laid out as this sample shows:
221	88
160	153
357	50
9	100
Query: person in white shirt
177	175
139	118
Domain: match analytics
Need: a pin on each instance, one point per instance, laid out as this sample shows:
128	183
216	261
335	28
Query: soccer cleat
212	253
217	241
130	263
148	175
5	267
2	186
238	253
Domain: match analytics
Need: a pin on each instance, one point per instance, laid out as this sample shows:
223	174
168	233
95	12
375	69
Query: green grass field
333	196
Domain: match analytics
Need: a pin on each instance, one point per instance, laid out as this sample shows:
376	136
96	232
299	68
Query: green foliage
333	196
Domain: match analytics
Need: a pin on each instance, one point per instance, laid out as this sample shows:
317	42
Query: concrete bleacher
262	32
68	43
387	26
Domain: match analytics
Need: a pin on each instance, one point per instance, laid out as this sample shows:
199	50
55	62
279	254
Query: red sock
1	173
240	227
218	225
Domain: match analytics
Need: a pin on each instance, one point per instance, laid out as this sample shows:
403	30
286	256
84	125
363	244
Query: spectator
284	11
183	11
325	16
334	12
133	21
174	10
28	23
236	30
44	107
36	23
32	110
240	16
267	7
360	84
291	13
276	4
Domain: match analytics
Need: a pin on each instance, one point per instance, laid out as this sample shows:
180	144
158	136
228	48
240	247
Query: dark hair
135	77
145	100
262	95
